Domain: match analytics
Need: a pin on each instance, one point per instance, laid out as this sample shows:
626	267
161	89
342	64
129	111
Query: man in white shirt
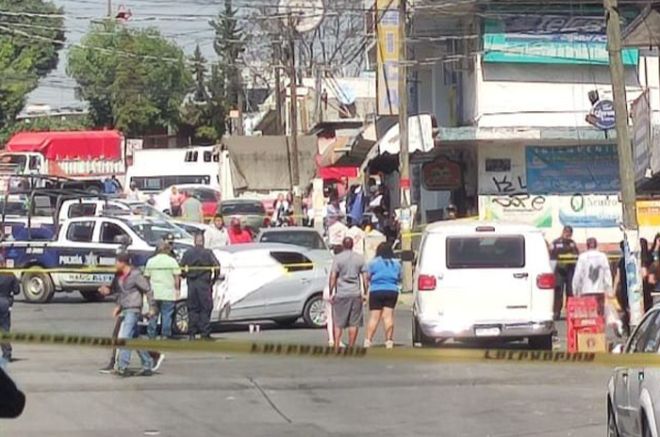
593	276
216	236
356	234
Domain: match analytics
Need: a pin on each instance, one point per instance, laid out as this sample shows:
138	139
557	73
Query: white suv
483	280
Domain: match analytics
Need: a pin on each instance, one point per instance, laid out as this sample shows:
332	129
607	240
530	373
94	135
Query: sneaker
107	369
121	372
145	372
158	361
389	344
331	344
367	343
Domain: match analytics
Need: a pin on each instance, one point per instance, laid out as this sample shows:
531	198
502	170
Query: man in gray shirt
191	209
131	288
345	294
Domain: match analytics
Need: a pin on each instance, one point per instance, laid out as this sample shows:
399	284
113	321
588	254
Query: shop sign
441	175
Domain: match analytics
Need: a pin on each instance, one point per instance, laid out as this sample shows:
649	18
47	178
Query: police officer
8	289
564	252
201	269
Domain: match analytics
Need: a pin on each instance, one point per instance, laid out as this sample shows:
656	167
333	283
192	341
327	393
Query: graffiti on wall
502	170
518	208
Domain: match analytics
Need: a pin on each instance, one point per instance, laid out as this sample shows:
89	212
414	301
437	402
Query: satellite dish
307	14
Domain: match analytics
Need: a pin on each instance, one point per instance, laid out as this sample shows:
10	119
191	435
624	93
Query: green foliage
42	124
229	45
203	116
133	79
28	51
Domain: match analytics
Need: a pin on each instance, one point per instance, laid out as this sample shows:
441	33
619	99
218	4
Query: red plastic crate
582	316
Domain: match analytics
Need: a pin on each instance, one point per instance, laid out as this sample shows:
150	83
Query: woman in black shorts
384	277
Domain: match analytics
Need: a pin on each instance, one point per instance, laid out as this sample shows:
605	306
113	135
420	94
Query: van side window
486	252
208	156
80	232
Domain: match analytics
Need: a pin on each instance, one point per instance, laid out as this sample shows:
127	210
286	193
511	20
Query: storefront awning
329	173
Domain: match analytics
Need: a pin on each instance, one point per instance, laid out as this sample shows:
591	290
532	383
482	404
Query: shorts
382	299
347	311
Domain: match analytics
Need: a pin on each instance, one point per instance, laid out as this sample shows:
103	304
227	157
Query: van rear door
486	278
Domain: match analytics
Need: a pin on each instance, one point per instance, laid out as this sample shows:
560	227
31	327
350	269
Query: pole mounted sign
601	115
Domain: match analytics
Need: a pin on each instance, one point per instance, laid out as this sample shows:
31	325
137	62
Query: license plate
84	278
487	332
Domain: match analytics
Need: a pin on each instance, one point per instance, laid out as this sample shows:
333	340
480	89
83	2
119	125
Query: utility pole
278	88
404	155
109	8
295	172
626	165
240	104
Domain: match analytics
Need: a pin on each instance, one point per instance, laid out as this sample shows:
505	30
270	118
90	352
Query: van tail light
545	281
426	283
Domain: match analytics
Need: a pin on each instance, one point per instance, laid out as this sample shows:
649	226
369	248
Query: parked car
483	280
256	285
296	235
633	393
251	212
209	196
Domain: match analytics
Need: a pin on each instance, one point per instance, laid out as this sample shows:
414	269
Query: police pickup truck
84	243
42	226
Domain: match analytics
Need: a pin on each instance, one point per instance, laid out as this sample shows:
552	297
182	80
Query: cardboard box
591	342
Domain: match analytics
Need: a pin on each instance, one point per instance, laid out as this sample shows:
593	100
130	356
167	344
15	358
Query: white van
483	280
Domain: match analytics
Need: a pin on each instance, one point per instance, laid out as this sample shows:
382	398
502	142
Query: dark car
251	212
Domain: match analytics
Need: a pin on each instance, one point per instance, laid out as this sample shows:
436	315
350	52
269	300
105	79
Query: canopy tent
69	145
262	163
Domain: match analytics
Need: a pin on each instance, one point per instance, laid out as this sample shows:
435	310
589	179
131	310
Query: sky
184	21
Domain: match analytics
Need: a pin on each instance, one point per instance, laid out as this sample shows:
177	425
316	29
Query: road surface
224	395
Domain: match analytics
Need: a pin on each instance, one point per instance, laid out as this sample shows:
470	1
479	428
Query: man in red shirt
237	234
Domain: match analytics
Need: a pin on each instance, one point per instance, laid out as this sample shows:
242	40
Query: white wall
508	95
549	95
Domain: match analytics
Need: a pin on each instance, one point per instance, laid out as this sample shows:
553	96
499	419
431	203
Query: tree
203	115
199	73
133	79
338	43
229	45
29	44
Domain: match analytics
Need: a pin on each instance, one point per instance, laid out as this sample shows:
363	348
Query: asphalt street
204	394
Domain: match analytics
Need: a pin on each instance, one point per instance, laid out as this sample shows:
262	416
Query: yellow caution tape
273	349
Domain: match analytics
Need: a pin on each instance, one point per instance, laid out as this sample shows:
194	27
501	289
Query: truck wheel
94	190
314	312
92	296
37	286
180	323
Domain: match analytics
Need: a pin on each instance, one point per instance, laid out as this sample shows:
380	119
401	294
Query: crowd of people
591	273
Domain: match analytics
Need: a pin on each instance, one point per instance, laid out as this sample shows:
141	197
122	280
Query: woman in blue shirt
384	277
